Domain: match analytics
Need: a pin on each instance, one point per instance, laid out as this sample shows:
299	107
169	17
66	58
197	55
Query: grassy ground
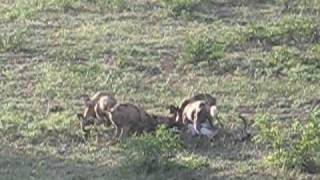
261	56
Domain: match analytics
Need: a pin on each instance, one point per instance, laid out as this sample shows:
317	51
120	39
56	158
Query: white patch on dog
213	111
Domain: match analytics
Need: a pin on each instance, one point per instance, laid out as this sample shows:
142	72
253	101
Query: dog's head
88	116
175	113
175	116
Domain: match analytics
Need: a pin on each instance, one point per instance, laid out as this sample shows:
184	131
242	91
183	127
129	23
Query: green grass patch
178	7
25	9
149	153
13	40
287	30
296	147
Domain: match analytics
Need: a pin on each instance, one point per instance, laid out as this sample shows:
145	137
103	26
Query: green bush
282	57
111	4
194	161
288	30
297	147
177	7
12	41
151	152
203	48
300	5
294	63
29	8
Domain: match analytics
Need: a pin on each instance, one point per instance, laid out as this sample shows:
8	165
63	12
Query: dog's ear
80	116
86	100
172	109
154	116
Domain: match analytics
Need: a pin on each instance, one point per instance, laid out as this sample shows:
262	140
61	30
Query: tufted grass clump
296	147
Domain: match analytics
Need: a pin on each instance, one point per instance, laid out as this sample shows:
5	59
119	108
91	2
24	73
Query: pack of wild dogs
195	116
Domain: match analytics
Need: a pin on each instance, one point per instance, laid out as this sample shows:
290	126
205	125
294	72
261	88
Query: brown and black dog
209	101
94	110
126	118
196	113
130	119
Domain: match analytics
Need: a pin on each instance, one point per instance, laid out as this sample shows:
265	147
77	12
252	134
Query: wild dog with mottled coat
211	101
95	108
196	113
128	119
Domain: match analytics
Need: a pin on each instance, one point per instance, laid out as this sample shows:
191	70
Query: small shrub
63	4
194	162
283	57
61	81
151	152
111	4
29	8
203	48
263	34
294	63
314	54
297	27
177	7
312	6
288	30
12	41
294	148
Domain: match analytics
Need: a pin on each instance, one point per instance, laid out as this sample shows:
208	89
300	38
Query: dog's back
132	117
94	108
205	97
197	110
96	97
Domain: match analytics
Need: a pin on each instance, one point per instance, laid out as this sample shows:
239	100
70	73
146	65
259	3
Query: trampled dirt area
258	58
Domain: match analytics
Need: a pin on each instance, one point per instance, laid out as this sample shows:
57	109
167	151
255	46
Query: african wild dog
196	113
128	119
95	109
211	101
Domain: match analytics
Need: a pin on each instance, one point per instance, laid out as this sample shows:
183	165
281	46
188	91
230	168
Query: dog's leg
210	120
214	114
95	129
196	123
124	133
219	122
184	119
120	135
116	131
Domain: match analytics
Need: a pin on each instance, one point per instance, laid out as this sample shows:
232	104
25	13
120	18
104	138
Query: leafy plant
300	5
296	148
288	30
29	8
194	161
177	7
203	48
150	152
295	63
111	4
12	41
283	57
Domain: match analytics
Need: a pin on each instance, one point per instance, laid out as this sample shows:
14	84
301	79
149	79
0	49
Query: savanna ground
258	57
